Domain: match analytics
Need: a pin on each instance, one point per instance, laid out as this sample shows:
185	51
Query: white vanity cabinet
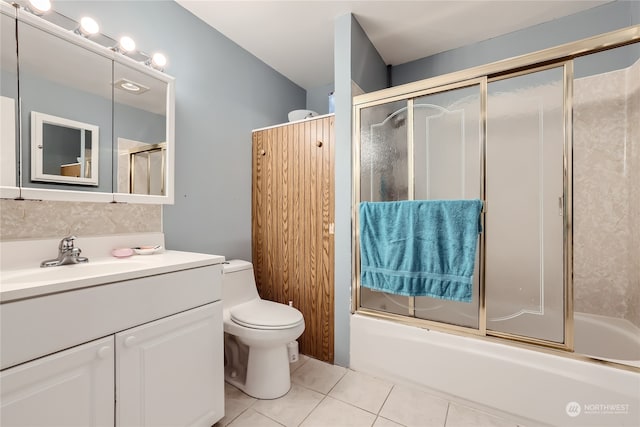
147	351
168	371
70	388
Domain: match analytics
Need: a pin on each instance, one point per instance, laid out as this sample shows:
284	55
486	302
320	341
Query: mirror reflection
140	131
71	86
8	104
63	150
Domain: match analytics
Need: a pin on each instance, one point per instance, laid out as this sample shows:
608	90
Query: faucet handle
66	243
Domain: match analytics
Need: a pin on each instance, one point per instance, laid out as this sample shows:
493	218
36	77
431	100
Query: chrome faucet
67	254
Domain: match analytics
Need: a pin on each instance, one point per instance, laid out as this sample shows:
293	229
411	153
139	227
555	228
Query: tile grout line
446	416
272	419
382	406
245	409
386	398
377	413
339	379
311	411
325	395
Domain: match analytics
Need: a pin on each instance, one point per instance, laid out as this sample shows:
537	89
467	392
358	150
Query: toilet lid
261	314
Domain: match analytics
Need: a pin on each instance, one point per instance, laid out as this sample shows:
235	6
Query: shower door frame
153	148
559	56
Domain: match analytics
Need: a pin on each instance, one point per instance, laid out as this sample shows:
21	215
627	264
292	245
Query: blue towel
420	247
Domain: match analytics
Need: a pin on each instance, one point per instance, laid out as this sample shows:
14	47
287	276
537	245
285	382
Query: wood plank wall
292	213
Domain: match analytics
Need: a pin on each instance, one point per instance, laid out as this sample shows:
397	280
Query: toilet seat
261	314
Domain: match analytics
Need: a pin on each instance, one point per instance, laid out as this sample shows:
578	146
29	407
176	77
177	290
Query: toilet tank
238	283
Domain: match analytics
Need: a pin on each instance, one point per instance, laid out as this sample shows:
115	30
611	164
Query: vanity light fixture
88	26
126	44
157	61
130	86
39	7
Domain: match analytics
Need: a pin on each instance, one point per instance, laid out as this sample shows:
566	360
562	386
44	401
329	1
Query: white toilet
256	334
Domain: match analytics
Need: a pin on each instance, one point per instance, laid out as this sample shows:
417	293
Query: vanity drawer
39	326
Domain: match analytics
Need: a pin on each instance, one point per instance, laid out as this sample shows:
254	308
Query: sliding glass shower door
524	280
425	148
447	146
384	174
501	140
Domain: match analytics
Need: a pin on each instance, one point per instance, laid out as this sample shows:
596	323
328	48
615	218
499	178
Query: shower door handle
561	205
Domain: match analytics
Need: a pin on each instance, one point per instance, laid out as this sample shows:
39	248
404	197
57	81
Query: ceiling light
39	7
130	86
88	26
127	44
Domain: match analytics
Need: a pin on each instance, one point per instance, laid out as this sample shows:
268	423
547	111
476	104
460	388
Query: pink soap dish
122	252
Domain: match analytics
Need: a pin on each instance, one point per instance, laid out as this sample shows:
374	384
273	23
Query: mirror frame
20	192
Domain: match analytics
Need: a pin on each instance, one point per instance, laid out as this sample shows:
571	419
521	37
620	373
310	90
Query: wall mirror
112	103
64	150
140	132
8	100
63	88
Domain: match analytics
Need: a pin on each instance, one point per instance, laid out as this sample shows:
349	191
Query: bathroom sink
66	272
33	281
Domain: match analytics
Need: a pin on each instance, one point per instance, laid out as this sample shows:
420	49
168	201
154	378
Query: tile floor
324	395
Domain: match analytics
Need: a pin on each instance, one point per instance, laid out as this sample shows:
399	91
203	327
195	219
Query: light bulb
159	60
39	6
88	26
127	44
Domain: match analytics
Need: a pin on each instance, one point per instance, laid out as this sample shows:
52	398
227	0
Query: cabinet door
70	388
170	372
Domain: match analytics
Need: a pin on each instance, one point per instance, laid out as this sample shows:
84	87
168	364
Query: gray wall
606	61
222	93
138	124
355	59
598	20
368	70
318	98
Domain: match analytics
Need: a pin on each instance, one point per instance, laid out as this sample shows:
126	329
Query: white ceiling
296	37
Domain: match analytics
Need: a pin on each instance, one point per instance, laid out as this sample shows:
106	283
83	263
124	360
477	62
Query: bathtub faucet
67	254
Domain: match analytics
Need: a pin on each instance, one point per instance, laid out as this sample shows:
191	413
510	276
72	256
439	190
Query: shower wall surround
606	173
29	219
634	195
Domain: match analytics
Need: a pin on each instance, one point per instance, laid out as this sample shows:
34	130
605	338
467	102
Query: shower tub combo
552	334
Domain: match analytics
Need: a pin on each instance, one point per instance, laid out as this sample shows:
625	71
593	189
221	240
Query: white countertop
35	281
22	277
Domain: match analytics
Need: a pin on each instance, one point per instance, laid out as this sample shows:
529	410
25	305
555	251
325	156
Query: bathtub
608	338
542	387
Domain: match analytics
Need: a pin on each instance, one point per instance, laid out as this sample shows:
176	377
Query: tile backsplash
35	219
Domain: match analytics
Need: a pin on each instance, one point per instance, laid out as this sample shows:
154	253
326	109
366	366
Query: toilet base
267	373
